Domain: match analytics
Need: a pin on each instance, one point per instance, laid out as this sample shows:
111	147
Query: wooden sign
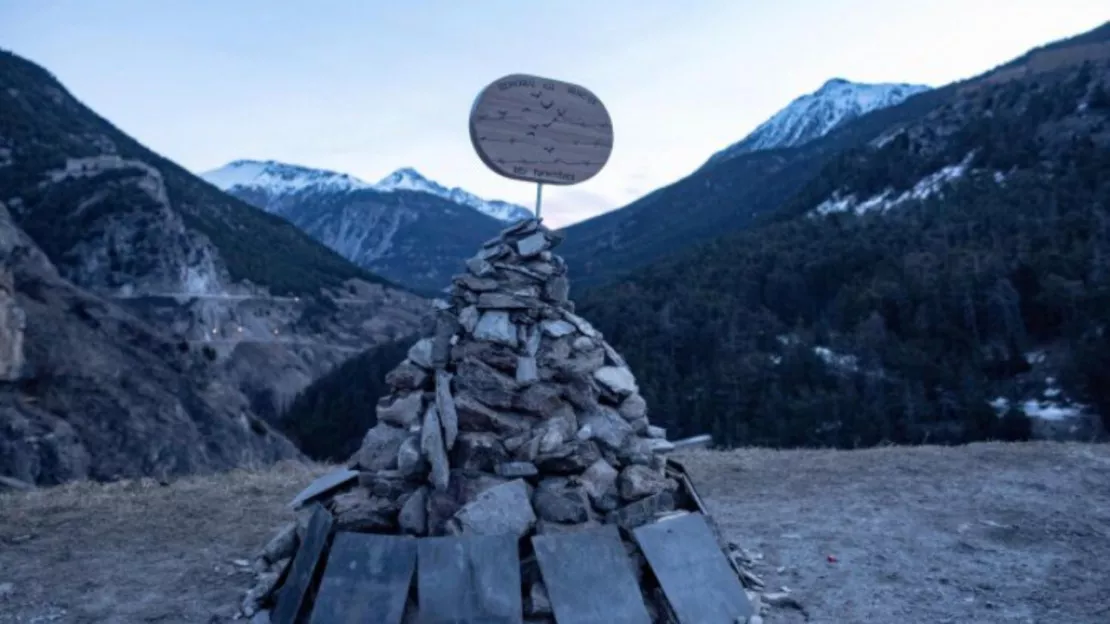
540	130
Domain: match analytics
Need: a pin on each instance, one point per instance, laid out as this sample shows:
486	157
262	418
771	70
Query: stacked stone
514	416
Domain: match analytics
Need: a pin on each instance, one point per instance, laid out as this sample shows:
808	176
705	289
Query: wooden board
696	577
366	580
327	483
589	578
541	130
306	563
469	579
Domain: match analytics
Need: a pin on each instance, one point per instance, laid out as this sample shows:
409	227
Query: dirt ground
982	533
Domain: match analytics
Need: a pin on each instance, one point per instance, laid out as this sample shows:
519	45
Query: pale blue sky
366	86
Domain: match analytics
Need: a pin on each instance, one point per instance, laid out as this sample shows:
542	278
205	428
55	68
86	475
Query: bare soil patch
982	533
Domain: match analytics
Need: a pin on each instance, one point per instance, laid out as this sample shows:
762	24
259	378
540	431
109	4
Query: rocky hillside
406	227
194	314
947	280
816	114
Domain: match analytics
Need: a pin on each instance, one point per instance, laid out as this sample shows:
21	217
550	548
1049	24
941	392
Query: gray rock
532	245
413	518
617	379
485	384
494	252
520	229
538	603
547	527
480	267
557	290
402	411
420	353
659	433
659	445
431	446
468	318
474	283
600	484
388	484
495	326
500	510
357	510
503	301
581	324
476	416
557	328
526	370
636	482
445	405
606	426
636	450
447	326
516	469
283	544
479	452
410	461
556	500
496	355
379	447
580	363
611	355
640	426
262	617
542	399
533	341
633	407
642	511
571	458
583	343
407	376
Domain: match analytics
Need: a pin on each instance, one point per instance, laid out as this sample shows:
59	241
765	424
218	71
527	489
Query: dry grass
982	533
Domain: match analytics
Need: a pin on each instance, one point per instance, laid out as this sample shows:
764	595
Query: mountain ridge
396	228
274	177
813	115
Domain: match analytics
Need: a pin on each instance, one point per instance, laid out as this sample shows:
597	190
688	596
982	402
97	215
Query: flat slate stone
469	579
331	481
367	580
589	578
298	583
696	577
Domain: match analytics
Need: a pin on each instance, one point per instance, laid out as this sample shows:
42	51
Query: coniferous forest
904	325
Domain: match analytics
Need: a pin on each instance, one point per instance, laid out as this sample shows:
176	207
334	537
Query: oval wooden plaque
541	130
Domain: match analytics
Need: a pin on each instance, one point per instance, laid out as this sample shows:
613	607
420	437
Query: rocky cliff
163	321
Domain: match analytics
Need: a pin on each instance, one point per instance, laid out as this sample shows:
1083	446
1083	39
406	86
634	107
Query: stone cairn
514	416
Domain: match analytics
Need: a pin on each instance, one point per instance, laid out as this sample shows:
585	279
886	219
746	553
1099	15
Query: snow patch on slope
926	187
814	115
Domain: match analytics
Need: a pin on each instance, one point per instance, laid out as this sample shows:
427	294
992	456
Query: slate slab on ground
988	533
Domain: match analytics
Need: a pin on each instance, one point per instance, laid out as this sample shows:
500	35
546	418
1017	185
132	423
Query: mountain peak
815	114
406	179
279	177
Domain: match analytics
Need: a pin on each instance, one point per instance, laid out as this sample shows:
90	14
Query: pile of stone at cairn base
514	416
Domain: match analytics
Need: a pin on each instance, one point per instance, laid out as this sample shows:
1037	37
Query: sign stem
539	198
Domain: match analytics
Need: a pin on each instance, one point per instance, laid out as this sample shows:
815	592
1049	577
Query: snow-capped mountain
409	179
276	178
405	228
816	114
